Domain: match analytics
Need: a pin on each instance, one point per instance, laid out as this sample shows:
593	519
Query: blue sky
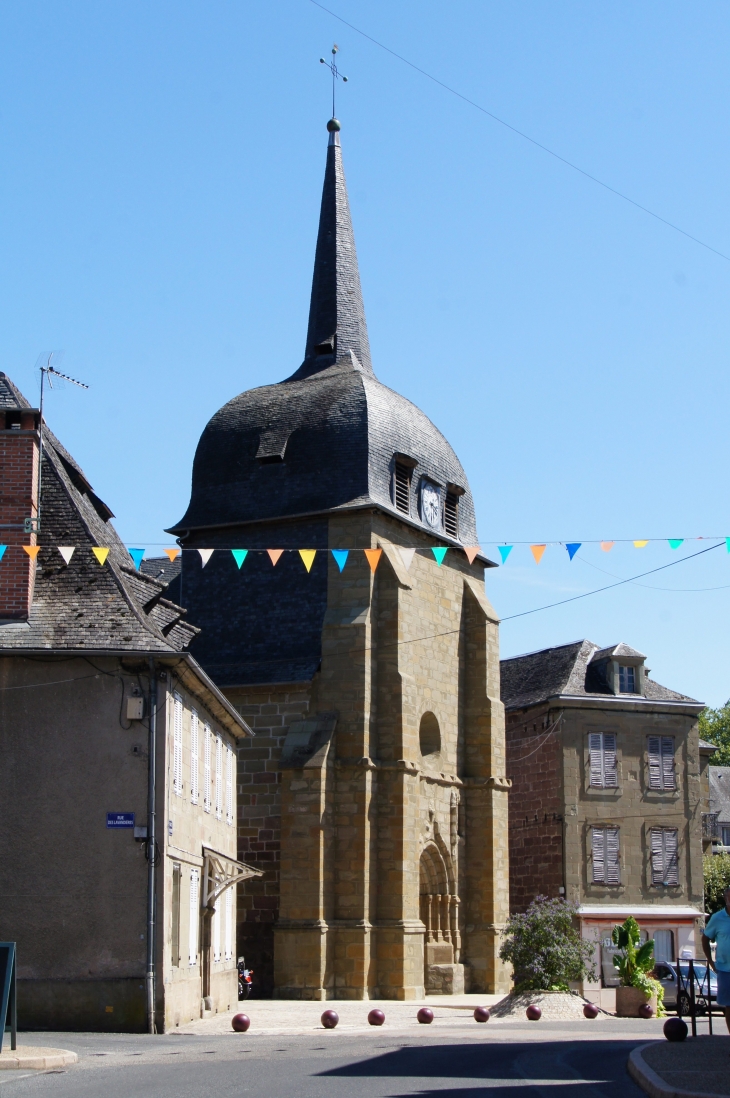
162	165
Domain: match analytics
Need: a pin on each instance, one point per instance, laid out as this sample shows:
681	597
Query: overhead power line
521	133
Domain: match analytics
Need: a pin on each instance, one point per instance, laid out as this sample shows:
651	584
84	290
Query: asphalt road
325	1064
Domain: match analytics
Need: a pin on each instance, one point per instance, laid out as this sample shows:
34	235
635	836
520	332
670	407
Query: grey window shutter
610	764
657	856
671	860
668	781
595	759
612	855
655	762
598	847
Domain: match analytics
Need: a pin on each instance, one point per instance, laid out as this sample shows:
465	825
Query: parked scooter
244	979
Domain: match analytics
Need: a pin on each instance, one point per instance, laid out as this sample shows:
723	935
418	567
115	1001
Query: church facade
374	794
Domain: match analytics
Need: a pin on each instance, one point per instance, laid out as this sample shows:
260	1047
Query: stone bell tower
374	795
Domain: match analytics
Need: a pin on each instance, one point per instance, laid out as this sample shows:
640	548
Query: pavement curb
653	1084
36	1058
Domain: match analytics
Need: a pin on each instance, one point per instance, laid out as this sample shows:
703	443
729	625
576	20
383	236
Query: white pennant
205	555
407	557
66	551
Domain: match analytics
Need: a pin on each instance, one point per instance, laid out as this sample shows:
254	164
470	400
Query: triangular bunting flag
572	547
67	551
674	543
471	551
340	556
439	551
407	555
99	553
32	550
308	556
640	544
727	546
373	556
173	554
205	555
4	547
274	555
504	551
239	555
137	556
537	552
607	546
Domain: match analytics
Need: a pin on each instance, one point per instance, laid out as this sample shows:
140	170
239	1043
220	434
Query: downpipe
151	850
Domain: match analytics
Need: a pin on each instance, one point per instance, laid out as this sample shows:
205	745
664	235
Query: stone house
605	807
117	764
716	817
374	796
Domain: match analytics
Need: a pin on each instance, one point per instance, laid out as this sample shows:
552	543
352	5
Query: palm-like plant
635	959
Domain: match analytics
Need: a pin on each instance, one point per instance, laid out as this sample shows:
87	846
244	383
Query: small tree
714	726
545	947
717	879
636	961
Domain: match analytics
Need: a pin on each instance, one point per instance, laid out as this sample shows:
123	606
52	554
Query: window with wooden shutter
228	955
605	855
206	768
194	916
217	930
602	760
664	856
660	752
175	912
194	756
402	473
229	785
218	777
177	723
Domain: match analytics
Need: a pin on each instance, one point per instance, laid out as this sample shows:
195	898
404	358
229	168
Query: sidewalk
696	1068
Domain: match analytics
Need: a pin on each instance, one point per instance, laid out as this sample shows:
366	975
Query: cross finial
336	74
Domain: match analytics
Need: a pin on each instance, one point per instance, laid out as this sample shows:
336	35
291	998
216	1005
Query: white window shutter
657	856
668	781
177	721
598	847
610	762
671	860
229	923
194	757
654	749
595	757
206	768
194	915
229	785
217	930
612	856
218	777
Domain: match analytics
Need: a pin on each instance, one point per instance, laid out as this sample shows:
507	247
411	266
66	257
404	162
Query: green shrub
545	948
717	878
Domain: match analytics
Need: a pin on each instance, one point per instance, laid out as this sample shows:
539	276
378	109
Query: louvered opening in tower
402	486
451	514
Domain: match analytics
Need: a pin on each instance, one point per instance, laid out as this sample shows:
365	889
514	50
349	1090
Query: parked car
674	978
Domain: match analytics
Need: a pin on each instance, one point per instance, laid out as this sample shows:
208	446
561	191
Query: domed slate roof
325	439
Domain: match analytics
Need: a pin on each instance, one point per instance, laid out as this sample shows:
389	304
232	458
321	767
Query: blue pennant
136	555
504	551
340	556
573	547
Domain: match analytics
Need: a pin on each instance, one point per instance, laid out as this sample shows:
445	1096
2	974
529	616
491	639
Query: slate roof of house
720	792
84	605
324	439
161	568
569	669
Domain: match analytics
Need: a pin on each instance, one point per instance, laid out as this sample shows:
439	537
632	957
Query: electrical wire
520	133
648	586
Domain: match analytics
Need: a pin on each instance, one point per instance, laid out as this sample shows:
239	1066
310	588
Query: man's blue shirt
718	930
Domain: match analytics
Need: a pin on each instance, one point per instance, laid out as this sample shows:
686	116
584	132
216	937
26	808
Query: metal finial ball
322	61
333	125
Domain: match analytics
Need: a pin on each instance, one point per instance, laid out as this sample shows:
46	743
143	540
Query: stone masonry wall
269	710
534	763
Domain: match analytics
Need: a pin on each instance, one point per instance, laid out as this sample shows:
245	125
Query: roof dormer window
451	509
403	467
626	679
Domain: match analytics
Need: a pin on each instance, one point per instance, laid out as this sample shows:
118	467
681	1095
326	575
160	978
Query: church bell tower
374	795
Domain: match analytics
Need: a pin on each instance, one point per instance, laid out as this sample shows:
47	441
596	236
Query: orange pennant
274	555
537	552
471	551
173	554
308	556
373	556
607	546
99	553
32	550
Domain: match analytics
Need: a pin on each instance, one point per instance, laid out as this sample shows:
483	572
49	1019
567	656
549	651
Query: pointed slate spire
336	312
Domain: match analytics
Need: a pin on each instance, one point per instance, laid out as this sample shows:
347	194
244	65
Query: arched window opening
429	735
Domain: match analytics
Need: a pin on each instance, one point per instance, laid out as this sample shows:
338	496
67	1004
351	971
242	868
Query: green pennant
239	555
439	551
674	543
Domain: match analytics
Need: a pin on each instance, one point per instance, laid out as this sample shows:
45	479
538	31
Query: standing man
718	930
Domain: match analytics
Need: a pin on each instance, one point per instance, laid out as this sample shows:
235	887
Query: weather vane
336	74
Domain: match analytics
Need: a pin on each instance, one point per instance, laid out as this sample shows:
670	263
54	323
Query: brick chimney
19	442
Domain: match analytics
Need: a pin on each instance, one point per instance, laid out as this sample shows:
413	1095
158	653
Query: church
373	794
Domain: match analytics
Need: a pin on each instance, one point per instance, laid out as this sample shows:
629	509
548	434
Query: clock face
431	505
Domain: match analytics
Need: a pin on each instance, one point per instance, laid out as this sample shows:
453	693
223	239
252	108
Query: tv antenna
48	371
336	74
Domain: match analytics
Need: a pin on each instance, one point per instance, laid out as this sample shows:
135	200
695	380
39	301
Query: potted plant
634	963
545	948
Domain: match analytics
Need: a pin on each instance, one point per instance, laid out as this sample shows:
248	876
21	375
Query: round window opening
429	735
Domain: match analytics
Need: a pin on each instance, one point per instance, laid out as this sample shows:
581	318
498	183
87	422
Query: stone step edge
36	1058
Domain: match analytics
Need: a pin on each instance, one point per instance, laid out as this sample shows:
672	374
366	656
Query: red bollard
481	1014
329	1019
240	1022
425	1016
376	1017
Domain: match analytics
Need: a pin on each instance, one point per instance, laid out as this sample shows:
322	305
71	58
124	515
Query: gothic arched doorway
439	910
